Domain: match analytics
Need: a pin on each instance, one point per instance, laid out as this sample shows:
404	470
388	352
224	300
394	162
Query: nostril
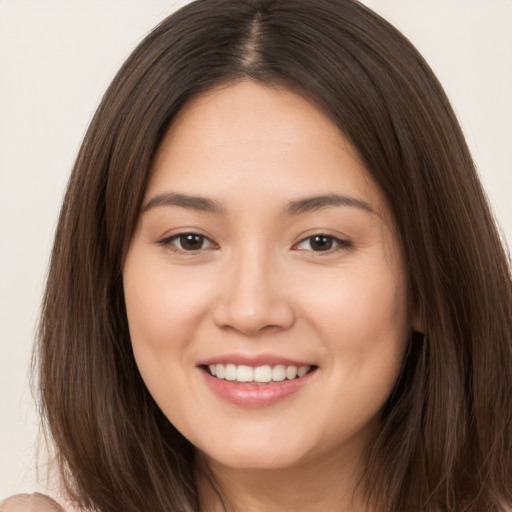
260	316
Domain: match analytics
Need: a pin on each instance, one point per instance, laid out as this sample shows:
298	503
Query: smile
259	374
256	384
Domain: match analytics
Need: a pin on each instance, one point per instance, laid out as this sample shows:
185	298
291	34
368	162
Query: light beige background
56	59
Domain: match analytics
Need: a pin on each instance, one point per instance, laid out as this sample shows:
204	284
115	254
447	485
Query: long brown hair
446	439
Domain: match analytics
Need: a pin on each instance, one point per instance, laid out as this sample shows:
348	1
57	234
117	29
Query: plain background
57	58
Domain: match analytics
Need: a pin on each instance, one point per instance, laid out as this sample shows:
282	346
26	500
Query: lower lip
255	395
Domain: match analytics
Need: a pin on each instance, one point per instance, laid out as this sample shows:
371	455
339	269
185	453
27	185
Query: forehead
269	139
252	112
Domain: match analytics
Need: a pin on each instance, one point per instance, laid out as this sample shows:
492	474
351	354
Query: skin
256	284
30	502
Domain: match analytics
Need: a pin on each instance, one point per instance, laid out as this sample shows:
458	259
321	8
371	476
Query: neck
327	485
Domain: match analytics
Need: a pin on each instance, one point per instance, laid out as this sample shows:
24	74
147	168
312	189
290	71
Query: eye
322	243
187	242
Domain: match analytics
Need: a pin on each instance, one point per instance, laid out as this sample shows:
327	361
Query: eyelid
340	243
167	242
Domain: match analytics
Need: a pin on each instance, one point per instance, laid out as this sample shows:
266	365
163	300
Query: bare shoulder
35	502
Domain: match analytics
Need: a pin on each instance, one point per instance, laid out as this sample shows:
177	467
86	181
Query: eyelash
336	244
169	243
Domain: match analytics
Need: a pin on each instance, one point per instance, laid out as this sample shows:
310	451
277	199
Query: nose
254	297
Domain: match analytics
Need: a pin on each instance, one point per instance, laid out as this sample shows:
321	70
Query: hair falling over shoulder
446	437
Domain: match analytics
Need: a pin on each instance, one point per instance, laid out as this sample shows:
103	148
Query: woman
276	282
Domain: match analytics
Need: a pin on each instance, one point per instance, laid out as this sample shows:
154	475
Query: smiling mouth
257	375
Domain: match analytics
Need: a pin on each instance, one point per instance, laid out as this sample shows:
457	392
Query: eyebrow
310	204
202	204
296	207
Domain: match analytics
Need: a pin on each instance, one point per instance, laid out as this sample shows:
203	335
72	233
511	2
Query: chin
254	460
264	454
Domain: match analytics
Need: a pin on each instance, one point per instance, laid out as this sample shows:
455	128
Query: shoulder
30	503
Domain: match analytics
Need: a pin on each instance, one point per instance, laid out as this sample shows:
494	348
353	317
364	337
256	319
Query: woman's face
265	289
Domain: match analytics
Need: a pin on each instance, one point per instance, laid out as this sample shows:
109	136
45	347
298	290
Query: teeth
231	372
279	373
220	371
303	370
243	373
263	374
291	372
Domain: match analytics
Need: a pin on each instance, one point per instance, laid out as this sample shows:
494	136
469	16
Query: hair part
446	437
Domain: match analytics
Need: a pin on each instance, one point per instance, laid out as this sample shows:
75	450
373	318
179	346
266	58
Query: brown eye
187	242
321	243
191	242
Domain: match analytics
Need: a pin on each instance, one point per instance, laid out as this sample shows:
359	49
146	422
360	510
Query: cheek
365	329
357	306
162	304
164	308
363	319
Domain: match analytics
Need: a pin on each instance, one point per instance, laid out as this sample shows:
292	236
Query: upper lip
253	360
